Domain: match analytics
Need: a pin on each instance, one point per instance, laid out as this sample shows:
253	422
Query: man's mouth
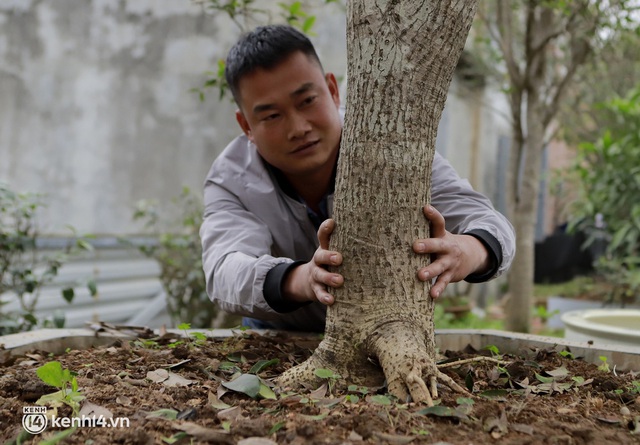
305	147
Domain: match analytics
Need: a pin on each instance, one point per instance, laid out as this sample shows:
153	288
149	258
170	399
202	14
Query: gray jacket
250	226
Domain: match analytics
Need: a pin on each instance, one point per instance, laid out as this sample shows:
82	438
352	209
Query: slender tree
542	45
401	58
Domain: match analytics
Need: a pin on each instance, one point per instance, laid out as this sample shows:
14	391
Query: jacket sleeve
466	211
236	254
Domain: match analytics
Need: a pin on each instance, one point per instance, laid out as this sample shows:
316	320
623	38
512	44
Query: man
271	189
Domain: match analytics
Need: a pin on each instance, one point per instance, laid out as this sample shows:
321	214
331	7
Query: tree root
471	360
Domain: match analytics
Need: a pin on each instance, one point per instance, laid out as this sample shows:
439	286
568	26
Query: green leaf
494	393
468	381
263	364
175	438
275	428
164	413
56	438
184	326
380	399
248	384
68	294
439	410
326	374
51	374
266	392
93	287
544	379
308	24
464	401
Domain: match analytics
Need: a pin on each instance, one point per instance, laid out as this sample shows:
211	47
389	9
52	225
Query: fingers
437	221
324	233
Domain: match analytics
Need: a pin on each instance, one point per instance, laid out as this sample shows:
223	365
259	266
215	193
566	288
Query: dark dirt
568	402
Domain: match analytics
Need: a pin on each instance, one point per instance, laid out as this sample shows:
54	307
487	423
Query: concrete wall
95	108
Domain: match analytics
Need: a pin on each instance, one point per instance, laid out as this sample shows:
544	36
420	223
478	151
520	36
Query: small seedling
330	376
493	349
195	338
635	387
567	354
52	374
604	366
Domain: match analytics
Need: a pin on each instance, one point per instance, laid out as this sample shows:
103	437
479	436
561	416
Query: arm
236	254
241	274
469	238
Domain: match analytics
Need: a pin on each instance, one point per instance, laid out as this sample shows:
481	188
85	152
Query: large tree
401	58
542	44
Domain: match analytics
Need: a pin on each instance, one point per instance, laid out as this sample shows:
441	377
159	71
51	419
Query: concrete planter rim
58	340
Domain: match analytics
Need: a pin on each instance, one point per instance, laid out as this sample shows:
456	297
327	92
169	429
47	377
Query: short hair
265	47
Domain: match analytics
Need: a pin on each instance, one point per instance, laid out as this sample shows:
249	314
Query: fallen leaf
256	441
164	413
216	403
203	433
158	376
262	365
234	413
558	373
248	384
319	393
355	437
393	439
91	410
609	420
177	380
123	400
521	428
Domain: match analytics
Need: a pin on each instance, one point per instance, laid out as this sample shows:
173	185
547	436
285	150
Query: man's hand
308	282
453	257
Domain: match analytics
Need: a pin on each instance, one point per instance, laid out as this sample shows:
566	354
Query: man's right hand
309	281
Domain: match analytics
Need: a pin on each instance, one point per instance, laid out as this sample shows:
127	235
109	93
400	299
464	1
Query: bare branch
505	28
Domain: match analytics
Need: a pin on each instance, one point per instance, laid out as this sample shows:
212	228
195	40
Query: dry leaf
216	403
91	410
207	434
123	400
256	441
158	376
521	428
234	413
355	437
319	393
177	380
393	439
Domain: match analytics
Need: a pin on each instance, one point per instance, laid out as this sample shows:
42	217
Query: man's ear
332	83
242	121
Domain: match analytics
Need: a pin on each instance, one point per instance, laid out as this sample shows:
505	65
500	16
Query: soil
541	397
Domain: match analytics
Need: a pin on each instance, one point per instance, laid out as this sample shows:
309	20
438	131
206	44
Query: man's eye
270	117
309	100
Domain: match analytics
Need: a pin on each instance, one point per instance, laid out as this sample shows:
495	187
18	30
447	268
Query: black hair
265	47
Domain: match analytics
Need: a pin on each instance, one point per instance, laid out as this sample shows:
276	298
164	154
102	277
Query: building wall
96	113
95	108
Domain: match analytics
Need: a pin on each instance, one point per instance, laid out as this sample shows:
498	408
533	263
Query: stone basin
603	326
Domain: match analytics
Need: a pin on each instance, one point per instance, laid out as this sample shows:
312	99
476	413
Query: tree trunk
520	303
401	58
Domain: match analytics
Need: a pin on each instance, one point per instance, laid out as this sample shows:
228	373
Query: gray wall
95	108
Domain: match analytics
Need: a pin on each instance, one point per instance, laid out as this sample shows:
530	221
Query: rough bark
401	58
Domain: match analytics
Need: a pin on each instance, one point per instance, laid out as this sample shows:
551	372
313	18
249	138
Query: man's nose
299	126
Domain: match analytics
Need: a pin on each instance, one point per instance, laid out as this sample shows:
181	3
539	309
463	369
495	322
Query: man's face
291	114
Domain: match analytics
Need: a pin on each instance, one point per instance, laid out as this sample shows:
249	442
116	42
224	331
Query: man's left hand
453	257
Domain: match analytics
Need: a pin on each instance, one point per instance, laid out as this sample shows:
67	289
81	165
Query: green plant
328	375
179	253
244	14
24	268
604	366
53	374
608	181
